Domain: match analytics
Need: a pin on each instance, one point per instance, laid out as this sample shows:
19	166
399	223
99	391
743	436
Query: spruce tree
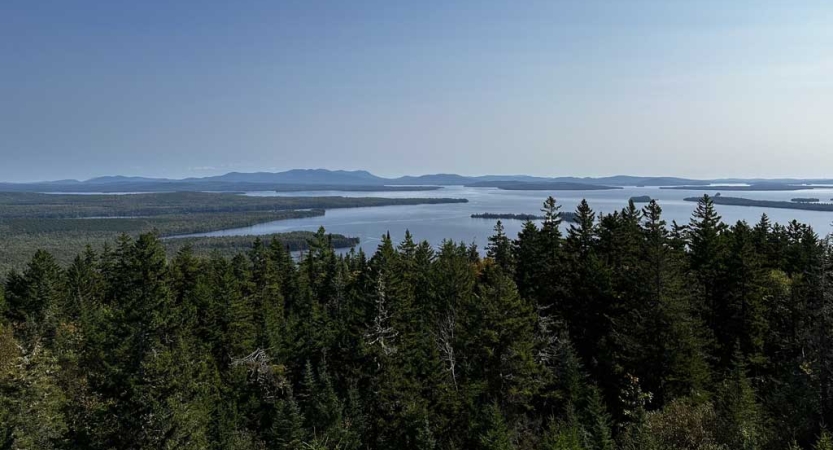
495	434
500	249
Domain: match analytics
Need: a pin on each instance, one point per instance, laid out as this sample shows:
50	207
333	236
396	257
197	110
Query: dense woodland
33	205
229	246
622	333
793	204
65	224
752	186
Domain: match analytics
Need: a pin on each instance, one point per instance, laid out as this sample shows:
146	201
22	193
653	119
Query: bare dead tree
267	375
545	333
381	333
445	342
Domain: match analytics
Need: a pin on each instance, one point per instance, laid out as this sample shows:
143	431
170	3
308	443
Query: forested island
65	224
624	333
565	216
641	199
805	200
752	187
352	188
739	201
229	246
15	205
542	186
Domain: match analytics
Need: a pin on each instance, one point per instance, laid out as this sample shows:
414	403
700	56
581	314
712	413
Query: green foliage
34	415
793	204
495	434
681	425
16	205
64	225
598	423
500	248
564	436
623	334
739	417
825	442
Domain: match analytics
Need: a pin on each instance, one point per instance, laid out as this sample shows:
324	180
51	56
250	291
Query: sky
188	88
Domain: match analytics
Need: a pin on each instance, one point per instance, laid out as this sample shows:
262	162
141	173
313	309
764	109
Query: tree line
793	204
64	224
624	332
17	205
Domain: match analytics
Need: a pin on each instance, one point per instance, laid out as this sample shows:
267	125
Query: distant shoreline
565	216
543	186
738	201
750	188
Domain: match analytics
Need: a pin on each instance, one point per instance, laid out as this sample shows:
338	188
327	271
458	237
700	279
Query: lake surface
452	221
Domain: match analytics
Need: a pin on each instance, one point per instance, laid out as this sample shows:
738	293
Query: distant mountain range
322	179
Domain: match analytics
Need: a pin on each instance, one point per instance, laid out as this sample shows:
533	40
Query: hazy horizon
648	88
393	177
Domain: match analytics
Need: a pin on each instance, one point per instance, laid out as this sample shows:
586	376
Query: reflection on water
452	221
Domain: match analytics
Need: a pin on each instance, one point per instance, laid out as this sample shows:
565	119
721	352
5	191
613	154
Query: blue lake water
452	221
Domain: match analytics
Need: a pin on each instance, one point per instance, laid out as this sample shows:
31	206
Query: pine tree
668	356
37	295
288	429
564	436
598	422
234	311
742	313
84	285
500	249
740	419
549	279
34	413
495	434
267	301
323	408
499	340
525	254
706	245
585	309
582	235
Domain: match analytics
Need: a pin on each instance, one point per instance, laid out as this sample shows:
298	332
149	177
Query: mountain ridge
319	179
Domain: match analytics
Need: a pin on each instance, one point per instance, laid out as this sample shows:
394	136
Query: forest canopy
65	224
624	332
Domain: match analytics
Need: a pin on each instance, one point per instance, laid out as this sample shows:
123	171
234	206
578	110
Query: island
351	188
565	216
738	201
749	188
229	246
805	200
641	199
542	186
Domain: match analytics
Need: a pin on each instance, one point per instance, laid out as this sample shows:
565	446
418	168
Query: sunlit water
452	221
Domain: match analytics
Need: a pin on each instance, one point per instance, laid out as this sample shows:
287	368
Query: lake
452	221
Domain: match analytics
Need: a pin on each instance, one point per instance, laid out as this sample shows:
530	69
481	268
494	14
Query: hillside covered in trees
625	332
65	224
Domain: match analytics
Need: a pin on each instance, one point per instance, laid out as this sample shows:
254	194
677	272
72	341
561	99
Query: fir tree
500	249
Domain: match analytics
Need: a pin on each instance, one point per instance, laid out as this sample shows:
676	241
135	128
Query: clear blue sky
193	88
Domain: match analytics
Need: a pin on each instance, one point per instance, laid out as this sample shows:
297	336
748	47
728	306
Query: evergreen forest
612	331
